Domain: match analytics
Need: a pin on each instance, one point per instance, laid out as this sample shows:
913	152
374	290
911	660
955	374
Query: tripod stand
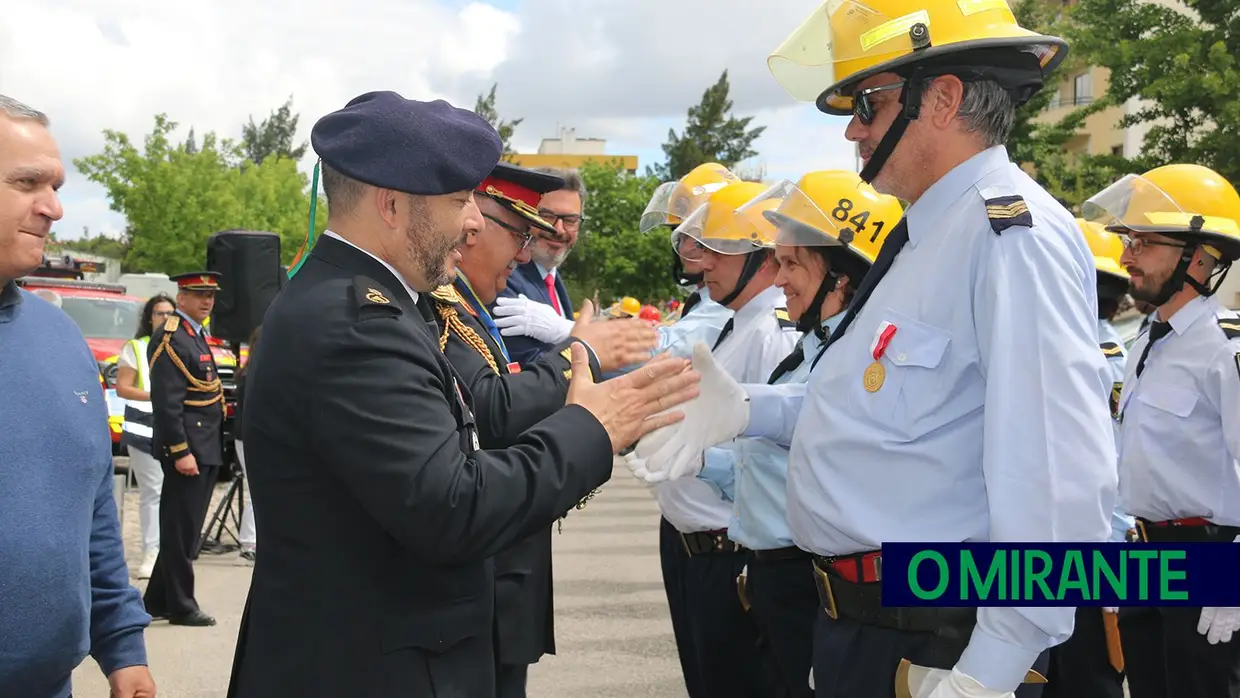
230	508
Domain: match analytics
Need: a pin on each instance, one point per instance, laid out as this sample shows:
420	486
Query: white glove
718	414
1218	624
956	684
522	316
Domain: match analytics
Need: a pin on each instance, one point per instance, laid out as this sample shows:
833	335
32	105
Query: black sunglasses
864	108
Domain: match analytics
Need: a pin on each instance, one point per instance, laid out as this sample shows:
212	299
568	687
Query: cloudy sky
623	70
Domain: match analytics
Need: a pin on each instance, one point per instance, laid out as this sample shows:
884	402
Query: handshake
719	413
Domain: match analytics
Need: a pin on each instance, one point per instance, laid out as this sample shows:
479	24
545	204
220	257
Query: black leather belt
791	552
1194	530
862	602
707	542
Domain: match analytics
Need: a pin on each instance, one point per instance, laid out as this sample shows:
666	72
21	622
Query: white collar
412	293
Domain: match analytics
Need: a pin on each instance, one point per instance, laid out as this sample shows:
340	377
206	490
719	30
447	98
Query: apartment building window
1117	150
1082	89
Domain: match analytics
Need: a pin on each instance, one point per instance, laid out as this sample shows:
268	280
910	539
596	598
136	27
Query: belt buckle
826	594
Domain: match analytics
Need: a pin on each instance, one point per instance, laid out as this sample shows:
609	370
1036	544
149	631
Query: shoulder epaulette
1008	212
446	294
171	324
368	292
781	314
1111	349
452	324
1230	326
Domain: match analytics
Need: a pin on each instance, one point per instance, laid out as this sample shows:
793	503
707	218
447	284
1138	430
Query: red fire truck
108	318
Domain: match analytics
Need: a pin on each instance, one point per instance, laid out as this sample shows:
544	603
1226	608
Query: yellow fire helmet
1106	248
844	42
673	201
831	208
719	226
627	307
1187	202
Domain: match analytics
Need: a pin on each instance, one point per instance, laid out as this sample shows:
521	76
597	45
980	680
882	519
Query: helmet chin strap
682	277
910	99
753	262
810	319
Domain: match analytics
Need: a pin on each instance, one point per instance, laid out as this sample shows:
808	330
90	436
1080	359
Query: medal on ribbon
875	374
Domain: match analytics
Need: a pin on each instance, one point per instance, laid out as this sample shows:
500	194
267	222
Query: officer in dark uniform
510	398
187	404
380	515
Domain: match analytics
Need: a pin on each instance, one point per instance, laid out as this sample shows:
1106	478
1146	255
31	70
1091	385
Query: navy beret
425	148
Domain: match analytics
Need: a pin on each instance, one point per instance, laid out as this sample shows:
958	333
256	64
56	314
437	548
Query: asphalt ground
613	632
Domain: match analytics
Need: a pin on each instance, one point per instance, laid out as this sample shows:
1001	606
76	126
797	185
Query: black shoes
196	619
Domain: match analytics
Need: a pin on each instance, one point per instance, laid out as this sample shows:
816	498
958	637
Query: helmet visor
724	230
1136	204
816	55
656	213
799	220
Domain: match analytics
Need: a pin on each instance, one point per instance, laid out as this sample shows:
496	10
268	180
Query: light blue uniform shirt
758	342
1179	453
1108	338
988	425
753	473
702	325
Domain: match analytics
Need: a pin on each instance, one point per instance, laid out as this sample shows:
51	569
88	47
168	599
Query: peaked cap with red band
197	281
519	189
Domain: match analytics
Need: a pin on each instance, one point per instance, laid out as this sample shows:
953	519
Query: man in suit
536	298
380	512
510	398
187	405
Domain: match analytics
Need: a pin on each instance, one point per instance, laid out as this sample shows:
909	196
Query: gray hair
572	180
988	110
20	111
341	191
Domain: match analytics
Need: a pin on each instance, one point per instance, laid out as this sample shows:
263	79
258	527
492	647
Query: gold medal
874	376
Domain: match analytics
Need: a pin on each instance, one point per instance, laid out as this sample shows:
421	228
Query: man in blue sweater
65	585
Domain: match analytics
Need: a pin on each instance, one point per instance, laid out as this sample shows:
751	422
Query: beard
429	250
1150	290
550	260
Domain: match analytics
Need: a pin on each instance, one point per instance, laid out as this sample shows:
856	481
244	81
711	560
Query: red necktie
555	299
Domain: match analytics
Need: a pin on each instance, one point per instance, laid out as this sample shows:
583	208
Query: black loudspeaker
249	265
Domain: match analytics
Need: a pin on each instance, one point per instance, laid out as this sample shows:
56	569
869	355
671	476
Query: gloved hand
956	684
1217	624
718	414
522	316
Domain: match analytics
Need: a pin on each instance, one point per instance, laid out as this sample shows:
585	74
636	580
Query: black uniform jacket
379	516
507	404
187	400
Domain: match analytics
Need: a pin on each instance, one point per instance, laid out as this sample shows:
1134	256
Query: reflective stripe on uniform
139	415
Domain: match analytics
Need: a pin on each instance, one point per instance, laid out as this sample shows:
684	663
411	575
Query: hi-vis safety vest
139	424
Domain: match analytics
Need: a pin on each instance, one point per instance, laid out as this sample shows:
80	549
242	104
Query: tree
174	200
1041	144
612	259
1185	66
485	107
273	137
711	134
102	245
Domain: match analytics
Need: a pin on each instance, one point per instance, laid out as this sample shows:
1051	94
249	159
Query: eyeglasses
1137	245
864	108
522	235
571	221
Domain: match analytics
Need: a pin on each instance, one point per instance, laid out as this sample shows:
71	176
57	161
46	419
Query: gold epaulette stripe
452	322
1009	211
